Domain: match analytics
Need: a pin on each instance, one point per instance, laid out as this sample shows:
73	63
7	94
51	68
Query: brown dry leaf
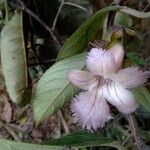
6	114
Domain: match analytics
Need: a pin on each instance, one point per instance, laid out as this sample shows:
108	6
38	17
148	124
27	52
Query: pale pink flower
104	82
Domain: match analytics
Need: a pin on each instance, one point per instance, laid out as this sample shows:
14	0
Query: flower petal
118	52
119	97
100	62
82	79
91	110
131	77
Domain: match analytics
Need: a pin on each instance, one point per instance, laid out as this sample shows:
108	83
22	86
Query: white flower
103	83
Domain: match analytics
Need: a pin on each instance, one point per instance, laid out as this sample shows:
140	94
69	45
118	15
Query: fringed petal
131	77
119	97
90	110
118	52
100	62
82	79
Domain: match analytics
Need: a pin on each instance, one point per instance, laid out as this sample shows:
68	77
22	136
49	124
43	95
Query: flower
104	83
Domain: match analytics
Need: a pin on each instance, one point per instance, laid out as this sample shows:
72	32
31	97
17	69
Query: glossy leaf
81	139
13	58
143	97
11	145
54	89
85	33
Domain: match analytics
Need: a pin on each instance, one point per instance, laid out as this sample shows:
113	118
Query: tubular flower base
104	82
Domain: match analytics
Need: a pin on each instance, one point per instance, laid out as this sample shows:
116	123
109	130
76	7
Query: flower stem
6	11
135	131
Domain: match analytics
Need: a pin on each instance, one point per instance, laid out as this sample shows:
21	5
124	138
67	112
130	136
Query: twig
36	17
12	133
64	123
57	15
135	132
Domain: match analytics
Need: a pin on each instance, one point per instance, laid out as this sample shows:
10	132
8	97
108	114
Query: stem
57	15
36	17
6	11
135	131
105	28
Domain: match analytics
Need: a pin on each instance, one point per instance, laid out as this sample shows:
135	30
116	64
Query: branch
36	17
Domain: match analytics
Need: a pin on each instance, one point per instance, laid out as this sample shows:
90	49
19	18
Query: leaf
145	135
85	33
54	89
143	97
11	145
143	113
133	56
13	58
134	44
134	12
81	139
123	20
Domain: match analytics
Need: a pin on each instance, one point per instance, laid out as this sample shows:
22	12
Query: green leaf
145	135
134	44
123	20
11	145
143	97
13	59
85	33
54	88
143	113
133	56
81	139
